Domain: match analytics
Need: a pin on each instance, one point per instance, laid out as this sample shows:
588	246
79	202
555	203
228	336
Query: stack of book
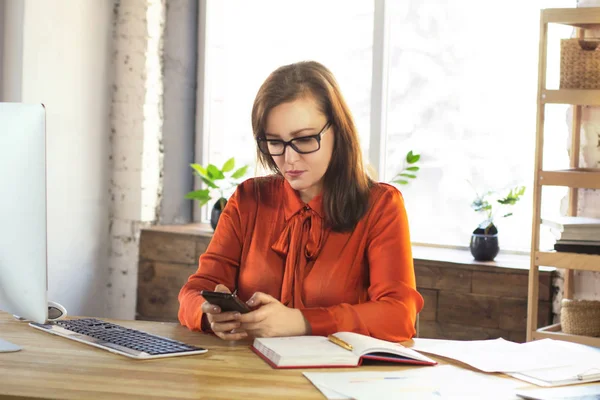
575	234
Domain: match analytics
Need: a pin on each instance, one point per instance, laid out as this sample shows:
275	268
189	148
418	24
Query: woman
317	247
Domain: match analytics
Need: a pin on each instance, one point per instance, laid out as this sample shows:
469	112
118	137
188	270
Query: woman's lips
294	173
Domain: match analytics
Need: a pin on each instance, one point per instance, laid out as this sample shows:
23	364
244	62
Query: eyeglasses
302	145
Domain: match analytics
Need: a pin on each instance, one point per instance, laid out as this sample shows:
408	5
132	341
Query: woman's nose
290	155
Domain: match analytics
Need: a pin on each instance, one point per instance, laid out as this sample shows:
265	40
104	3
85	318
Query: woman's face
297	120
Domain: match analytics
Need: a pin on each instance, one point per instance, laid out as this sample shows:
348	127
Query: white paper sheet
561	376
499	355
440	382
583	392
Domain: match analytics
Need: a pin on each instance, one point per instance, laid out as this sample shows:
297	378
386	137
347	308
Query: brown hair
345	183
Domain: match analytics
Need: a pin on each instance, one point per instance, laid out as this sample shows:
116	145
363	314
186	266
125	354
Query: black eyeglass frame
290	143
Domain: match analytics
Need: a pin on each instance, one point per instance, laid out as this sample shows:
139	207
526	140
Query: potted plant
484	240
219	181
408	169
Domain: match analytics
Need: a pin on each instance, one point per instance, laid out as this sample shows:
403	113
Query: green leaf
412	158
508	201
209	182
199	169
229	165
197	194
201	196
507	215
412	168
408	175
401	182
214	173
240	172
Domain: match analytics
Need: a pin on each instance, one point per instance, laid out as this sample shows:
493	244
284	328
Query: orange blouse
269	240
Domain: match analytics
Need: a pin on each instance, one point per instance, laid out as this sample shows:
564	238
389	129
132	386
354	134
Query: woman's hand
272	319
224	324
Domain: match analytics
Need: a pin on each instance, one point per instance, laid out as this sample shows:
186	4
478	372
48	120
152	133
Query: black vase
215	214
484	246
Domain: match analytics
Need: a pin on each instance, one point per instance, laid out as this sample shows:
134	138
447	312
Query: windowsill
421	253
463	258
196	229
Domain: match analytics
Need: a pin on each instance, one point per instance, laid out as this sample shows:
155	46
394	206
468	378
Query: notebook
322	352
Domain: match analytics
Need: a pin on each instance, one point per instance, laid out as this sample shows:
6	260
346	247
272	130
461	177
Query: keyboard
118	339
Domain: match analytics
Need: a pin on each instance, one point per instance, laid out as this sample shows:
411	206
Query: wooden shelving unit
574	177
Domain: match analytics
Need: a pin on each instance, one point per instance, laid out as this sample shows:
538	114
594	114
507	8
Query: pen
339	342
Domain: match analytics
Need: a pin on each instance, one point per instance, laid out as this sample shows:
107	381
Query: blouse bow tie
300	242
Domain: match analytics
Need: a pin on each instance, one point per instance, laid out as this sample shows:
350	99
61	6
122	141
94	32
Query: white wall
65	65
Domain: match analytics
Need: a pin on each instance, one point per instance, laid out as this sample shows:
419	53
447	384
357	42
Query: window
461	90
247	40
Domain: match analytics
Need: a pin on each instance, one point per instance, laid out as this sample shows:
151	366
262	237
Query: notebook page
304	350
365	344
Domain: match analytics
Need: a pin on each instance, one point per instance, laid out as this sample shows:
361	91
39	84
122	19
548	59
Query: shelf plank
579	178
584	17
587	262
555	332
581	97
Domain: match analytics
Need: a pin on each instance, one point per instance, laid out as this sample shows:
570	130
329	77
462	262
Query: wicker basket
579	64
580	317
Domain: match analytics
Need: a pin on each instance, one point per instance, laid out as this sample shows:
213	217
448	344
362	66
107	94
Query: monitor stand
55	311
7	347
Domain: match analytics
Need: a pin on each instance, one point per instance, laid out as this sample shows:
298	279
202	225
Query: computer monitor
23	241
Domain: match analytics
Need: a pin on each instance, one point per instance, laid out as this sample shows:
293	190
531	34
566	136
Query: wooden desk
52	367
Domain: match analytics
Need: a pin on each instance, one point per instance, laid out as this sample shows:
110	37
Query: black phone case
226	301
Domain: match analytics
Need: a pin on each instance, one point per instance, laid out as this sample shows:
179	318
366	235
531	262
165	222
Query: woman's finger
260	298
224	326
232	336
226	316
256	316
208	308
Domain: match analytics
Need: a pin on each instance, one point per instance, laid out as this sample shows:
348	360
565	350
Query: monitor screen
23	241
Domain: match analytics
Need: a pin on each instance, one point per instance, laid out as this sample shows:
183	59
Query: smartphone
227	301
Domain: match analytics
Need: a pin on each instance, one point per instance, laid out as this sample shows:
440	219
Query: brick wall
462	301
136	142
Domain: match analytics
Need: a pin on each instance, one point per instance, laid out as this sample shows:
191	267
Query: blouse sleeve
218	265
393	300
